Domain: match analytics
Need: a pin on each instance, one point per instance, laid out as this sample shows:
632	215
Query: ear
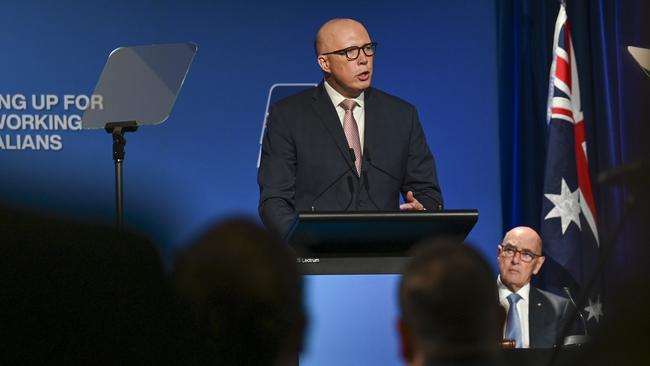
538	264
405	340
324	64
498	251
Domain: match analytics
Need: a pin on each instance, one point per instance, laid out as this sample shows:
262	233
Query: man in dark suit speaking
344	146
535	317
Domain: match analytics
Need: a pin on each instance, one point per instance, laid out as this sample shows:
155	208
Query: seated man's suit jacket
547	315
307	165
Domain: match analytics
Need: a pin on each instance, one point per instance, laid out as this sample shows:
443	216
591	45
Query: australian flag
569	224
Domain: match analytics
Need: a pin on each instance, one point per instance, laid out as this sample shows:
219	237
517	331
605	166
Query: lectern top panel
377	232
388	216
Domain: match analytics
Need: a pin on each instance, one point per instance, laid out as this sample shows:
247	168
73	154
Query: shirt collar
524	292
337	98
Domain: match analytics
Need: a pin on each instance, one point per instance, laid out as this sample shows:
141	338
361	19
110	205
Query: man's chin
510	281
363	85
355	90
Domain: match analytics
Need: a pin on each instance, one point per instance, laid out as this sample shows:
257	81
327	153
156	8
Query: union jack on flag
569	222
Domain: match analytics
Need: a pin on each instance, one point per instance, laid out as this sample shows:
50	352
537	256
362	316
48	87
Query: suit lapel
538	315
330	119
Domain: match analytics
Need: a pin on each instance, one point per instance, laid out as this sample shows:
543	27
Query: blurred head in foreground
243	287
81	293
449	306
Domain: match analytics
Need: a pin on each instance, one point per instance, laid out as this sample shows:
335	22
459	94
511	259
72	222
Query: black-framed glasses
510	251
353	52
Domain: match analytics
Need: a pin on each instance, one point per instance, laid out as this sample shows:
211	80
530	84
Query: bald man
535	317
343	145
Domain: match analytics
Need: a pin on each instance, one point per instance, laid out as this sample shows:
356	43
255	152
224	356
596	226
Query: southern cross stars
595	309
567	206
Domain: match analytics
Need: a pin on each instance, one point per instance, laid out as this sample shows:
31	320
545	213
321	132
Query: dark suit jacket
306	162
547	314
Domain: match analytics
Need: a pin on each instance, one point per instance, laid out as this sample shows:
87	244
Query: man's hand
411	203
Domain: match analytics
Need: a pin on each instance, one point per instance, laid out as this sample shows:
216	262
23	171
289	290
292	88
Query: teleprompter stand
117	130
138	86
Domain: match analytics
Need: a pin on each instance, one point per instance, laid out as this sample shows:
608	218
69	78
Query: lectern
370	242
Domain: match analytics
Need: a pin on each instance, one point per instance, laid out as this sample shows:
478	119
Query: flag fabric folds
569	223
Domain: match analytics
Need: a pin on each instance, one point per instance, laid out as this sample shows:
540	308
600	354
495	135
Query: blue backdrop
200	165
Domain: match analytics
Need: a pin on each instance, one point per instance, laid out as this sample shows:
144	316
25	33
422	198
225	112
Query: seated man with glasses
537	317
343	145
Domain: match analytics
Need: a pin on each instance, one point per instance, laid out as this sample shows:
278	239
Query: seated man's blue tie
513	323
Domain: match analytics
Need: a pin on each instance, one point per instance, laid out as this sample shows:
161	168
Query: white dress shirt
358	112
522	308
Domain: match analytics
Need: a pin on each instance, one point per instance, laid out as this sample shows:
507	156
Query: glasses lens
369	49
352	53
526	257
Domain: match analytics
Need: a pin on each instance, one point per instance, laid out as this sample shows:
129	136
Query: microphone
574	340
369	160
584	322
367	186
350	182
336	180
351	188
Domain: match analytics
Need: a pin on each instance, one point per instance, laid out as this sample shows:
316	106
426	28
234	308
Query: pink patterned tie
352	131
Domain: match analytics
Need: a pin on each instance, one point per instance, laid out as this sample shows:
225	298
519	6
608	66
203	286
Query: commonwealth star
567	206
